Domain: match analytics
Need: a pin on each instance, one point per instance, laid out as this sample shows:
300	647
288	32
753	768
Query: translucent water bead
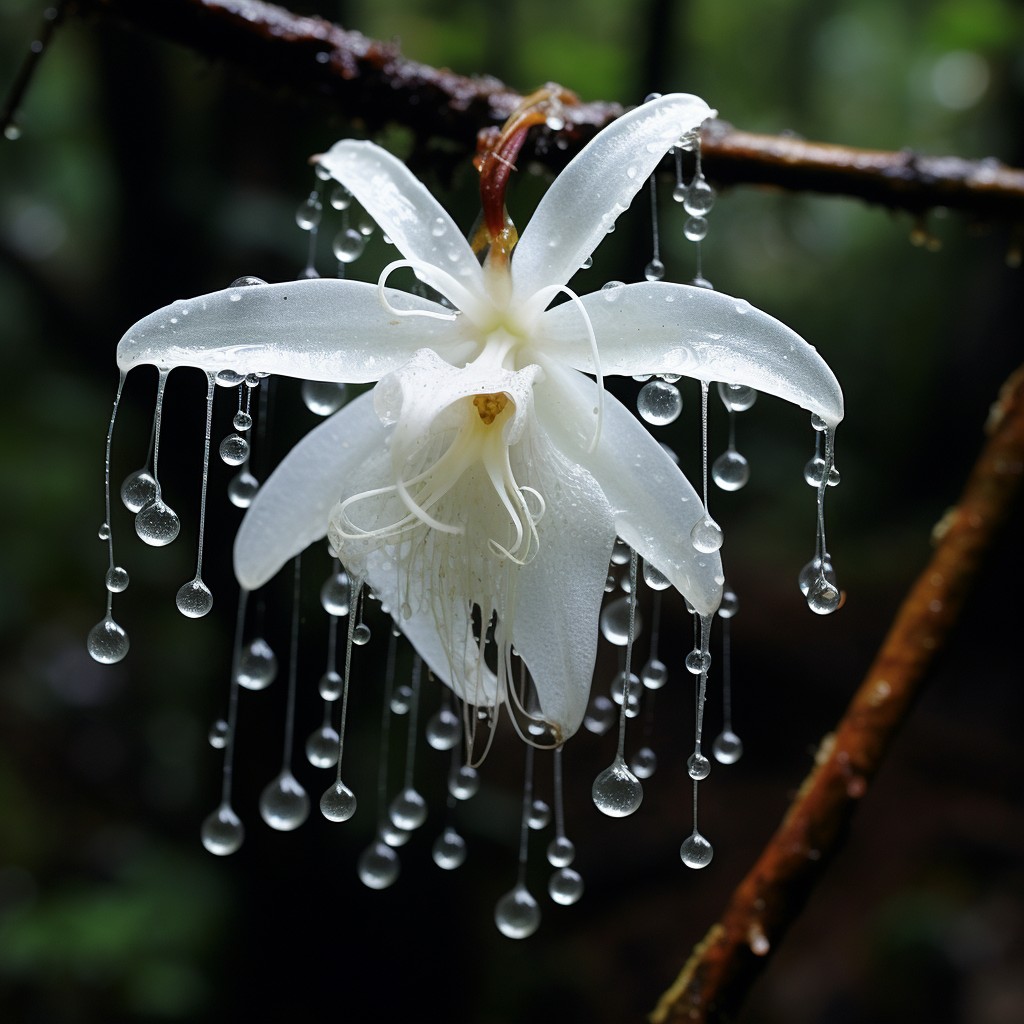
539	816
698	766
727	748
600	715
257	665
464	782
730	470
116	579
242	421
615	622
222	832
659	403
696	851
348	245
655	578
338	802
335	594
233	450
644	763
444	729
814	470
617	791
736	397
242	489
284	804
107	642
330	685
517	914
322	747
654	674
217	737
698	198
138	490
194	599
323	397
449	850
565	887
697	662
308	215
378	866
408	810
561	852
706	535
157	524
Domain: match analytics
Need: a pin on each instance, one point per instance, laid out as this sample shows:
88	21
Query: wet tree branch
370	81
724	965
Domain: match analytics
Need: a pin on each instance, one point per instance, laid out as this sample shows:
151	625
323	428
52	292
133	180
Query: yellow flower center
490	406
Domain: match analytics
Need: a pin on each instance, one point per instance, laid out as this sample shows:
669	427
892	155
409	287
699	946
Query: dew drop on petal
408	810
561	852
565	887
617	791
233	450
655	578
116	579
322	747
284	804
257	665
449	850
706	535
323	397
696	851
727	747
107	642
378	866
517	914
222	832
157	524
611	289
194	599
138	490
698	766
730	470
659	403
338	802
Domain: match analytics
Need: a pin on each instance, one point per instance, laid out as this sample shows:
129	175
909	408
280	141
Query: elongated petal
321	329
675	328
584	201
559	593
290	511
652	502
407	213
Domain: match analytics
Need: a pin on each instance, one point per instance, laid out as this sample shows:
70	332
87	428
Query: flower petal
652	502
290	511
583	202
322	329
407	213
657	327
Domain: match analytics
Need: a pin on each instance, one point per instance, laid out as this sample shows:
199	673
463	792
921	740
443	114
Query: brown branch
371	81
724	965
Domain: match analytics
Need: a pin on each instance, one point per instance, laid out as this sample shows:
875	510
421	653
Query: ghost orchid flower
485	478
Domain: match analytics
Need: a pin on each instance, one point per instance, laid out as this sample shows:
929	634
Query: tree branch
726	962
371	81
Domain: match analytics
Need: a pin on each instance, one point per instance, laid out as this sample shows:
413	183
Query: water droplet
618	691
401	700
217	737
464	782
393	835
257	665
194	599
439	227
727	748
138	490
600	715
620	552
539	816
655	578
103	532
695	228
696	851
615	622
107	641
361	635
338	802
561	852
812	570
233	449
348	245
706	535
612	289
702	282
730	604
242	489
698	766
823	597
737	397
444	729
222	832
307	216
449	850
730	470
655	270
643	763
617	791
697	662
229	378
654	674
12	132
814	470
323	397
341	198
331	685
587	263
322	747
817	422
378	866
284	804
335	594
659	403
242	421
116	579
565	887
699	198
408	810
157	524
517	914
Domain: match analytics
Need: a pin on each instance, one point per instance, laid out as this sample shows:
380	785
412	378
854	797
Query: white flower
485	478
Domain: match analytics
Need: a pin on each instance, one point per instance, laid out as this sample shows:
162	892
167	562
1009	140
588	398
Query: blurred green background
145	173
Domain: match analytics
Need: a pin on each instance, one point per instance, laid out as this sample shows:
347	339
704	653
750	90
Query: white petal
584	200
407	213
322	329
657	327
559	593
290	511
653	504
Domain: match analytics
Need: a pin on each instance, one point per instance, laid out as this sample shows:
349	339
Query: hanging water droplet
823	598
697	662
730	604
620	552
814	470
565	887
617	791
361	635
698	766
330	685
655	578
378	866
230	378
233	449
157	524
257	665
107	642
323	397
341	198
464	782
587	263
561	852
217	737
222	832
736	397
284	804
615	622
730	470
104	532
618	691
539	816
695	228
696	851
393	835
242	489
727	748
335	594
138	490
654	674
338	802
449	850
643	763
116	579
365	224
194	599
699	198
812	570
517	914
242	421
322	747
818	423
655	270
706	535
444	729
612	290
307	216
408	810
659	403
348	245
600	715
401	700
